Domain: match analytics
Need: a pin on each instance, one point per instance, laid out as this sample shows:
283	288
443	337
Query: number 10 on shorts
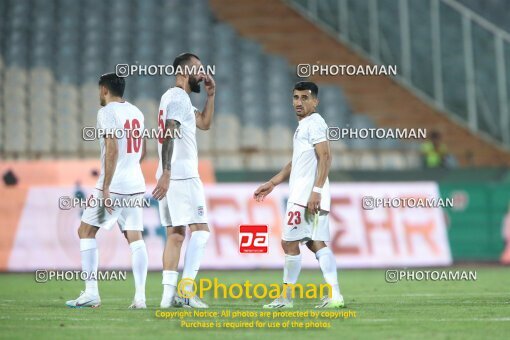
253	238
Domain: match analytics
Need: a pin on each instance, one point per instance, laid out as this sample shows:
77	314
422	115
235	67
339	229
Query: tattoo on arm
167	149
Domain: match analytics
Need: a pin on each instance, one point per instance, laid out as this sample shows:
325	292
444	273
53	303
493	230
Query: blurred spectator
435	153
78	191
80	194
10	178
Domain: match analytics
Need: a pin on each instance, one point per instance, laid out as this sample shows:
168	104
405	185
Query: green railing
449	56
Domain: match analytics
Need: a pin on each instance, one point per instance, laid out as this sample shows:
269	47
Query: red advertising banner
361	235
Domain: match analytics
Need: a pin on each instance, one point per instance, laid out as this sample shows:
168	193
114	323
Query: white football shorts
128	217
296	228
183	204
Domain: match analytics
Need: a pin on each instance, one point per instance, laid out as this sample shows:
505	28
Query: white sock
194	253
169	283
291	271
139	263
89	263
328	266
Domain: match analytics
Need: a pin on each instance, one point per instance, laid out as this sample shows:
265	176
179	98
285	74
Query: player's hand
314	203
210	85
308	217
161	188
263	190
107	200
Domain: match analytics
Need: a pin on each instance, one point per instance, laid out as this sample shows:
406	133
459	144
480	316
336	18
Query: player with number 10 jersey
121	181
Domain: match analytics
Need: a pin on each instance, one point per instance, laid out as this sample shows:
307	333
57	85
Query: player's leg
291	270
171	255
292	266
139	264
194	214
197	221
131	224
327	261
93	218
192	259
293	232
327	264
89	256
89	263
195	250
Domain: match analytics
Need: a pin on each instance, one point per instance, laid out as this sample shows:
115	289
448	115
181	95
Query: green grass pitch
403	310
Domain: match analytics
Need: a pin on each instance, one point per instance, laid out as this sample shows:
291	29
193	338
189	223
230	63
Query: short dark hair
113	83
183	59
307	85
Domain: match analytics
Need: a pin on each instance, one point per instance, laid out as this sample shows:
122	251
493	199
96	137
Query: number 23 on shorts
294	218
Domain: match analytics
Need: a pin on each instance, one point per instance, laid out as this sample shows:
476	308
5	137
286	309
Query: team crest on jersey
200	210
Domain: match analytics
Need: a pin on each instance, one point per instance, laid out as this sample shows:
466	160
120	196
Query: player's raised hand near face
263	190
210	85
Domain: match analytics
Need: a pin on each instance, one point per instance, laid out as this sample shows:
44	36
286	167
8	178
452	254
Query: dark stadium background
453	60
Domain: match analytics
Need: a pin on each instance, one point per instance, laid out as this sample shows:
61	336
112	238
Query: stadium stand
50	92
387	102
493	10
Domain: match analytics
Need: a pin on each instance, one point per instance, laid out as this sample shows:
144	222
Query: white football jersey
128	177
176	104
310	131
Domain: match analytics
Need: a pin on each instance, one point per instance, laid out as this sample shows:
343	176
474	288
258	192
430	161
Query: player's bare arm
167	149
204	118
144	149
111	154
323	164
266	188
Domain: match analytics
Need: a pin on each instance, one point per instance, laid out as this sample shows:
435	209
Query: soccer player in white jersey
307	219
179	189
119	190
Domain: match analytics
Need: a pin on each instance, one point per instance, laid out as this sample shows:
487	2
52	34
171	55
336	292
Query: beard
194	85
